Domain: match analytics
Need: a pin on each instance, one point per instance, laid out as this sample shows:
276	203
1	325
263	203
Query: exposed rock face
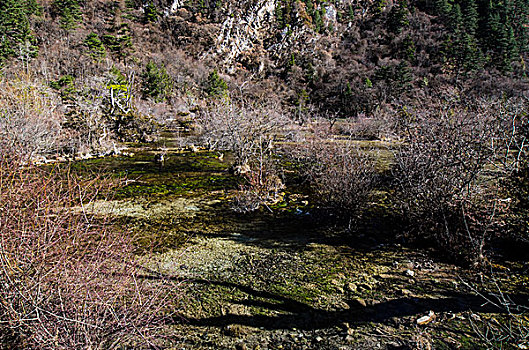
174	7
244	31
247	33
330	15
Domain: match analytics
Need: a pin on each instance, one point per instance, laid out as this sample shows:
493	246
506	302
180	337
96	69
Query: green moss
178	186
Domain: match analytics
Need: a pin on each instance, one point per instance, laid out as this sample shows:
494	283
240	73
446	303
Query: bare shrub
512	154
361	129
30	119
443	188
365	128
263	186
69	280
509	328
244	127
341	174
86	125
248	129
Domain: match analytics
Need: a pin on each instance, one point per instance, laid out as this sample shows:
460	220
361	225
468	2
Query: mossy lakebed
280	278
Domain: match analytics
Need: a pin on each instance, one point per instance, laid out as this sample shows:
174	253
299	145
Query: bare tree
30	117
245	128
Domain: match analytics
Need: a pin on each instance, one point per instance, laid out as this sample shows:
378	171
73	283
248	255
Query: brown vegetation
69	279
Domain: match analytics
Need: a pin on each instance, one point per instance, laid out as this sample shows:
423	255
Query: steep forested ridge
345	57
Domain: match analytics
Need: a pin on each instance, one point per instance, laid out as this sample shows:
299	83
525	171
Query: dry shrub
38	122
69	280
444	190
507	329
512	152
341	174
244	127
29	117
366	128
262	187
249	130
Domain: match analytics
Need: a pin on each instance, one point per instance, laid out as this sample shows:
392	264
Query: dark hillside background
339	58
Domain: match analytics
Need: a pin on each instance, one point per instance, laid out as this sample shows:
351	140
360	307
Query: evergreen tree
95	46
280	18
398	17
318	22
408	49
16	38
455	19
121	43
156	82
470	16
216	85
443	7
497	34
151	13
508	49
69	13
520	24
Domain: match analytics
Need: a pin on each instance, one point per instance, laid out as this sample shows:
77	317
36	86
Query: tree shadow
290	313
308	318
295	230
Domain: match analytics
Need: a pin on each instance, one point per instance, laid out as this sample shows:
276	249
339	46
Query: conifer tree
156	82
16	38
151	13
95	46
508	49
69	13
398	17
520	24
470	16
443	7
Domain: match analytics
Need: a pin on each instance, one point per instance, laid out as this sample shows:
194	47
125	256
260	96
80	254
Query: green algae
184	186
255	270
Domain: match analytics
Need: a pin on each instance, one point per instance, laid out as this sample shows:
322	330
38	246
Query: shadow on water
299	315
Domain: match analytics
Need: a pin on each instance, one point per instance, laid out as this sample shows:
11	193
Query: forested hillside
343	58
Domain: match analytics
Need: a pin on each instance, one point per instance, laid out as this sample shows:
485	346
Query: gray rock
351	287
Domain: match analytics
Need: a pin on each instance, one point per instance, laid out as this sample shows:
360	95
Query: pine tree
465	49
121	43
398	17
216	86
95	46
69	13
508	49
151	13
318	22
156	82
455	22
520	24
470	16
443	7
280	18
16	38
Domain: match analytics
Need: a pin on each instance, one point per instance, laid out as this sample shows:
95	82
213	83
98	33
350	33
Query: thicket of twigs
68	280
449	181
